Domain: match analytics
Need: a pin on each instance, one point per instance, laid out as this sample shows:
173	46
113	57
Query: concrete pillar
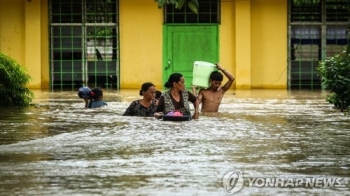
32	41
243	44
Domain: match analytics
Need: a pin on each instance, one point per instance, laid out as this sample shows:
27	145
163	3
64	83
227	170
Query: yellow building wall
12	29
140	43
22	37
32	41
227	52
45	46
243	43
253	41
269	43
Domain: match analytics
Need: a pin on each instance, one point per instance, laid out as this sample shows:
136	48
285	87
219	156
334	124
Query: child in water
84	93
95	96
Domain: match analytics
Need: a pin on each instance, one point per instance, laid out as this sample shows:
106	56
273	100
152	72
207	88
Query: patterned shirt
137	109
167	103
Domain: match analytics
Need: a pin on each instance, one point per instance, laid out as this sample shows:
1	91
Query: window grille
316	30
83	44
208	12
337	11
306	11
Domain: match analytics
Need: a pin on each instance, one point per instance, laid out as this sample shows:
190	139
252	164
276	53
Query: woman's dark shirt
137	109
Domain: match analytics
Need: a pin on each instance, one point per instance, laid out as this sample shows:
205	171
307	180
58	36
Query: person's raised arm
200	96
230	77
194	90
195	102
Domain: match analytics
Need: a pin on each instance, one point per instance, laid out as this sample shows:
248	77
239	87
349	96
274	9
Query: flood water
56	147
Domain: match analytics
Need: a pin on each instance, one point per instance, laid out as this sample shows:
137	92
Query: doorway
186	44
190	37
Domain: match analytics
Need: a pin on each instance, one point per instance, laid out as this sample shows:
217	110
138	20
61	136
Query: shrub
334	72
13	80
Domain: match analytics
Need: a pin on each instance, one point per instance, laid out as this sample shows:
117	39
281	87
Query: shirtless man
212	96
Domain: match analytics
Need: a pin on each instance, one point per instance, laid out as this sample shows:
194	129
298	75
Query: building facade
124	43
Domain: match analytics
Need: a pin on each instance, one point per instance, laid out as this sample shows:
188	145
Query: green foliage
334	72
192	4
104	32
335	100
305	2
13	78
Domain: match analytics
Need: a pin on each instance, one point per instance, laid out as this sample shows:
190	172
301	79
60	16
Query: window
208	12
83	43
306	11
316	30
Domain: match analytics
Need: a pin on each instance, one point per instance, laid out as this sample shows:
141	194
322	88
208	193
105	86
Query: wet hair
96	93
216	76
145	87
158	94
175	77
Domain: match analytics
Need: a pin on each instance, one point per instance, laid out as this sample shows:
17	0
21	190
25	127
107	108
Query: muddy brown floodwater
57	147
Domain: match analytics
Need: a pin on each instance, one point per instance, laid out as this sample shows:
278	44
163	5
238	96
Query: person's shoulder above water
98	103
97	98
177	98
147	105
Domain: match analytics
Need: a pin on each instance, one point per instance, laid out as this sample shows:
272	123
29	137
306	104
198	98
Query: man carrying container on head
212	96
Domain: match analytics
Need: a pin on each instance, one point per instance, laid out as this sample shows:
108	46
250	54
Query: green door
185	44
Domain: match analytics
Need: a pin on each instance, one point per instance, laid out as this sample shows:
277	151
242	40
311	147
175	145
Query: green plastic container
201	73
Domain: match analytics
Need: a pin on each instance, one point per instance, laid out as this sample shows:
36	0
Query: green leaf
193	7
161	3
174	2
180	4
195	2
